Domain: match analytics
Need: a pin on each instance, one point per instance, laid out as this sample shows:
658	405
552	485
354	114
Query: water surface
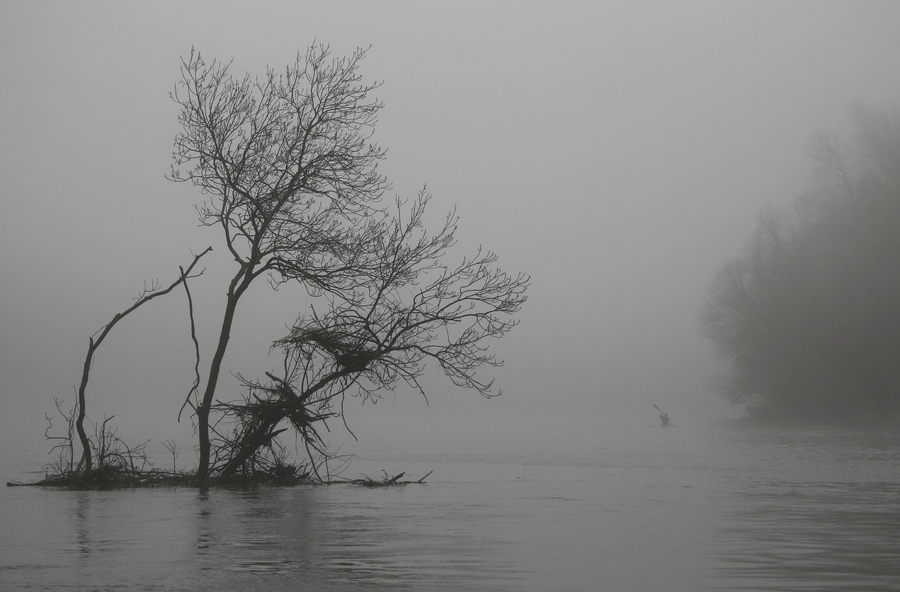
708	507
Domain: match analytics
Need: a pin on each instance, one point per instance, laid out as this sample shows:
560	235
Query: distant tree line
808	318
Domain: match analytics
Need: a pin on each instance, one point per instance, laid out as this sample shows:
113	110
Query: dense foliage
808	318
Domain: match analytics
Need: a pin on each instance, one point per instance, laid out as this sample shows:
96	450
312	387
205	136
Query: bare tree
291	178
410	309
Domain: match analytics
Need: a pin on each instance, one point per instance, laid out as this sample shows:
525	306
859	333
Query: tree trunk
85	462
204	407
238	286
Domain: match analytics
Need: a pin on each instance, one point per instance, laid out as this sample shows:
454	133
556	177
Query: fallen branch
386	481
85	464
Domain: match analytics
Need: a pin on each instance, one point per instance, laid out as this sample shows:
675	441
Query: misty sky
617	152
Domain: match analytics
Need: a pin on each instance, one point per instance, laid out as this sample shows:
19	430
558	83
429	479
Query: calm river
717	506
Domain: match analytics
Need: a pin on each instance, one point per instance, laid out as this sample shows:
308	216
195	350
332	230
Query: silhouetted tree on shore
291	179
290	176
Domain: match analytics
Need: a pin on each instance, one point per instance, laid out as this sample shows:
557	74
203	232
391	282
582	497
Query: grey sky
617	152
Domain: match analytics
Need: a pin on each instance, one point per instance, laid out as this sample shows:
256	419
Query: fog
617	152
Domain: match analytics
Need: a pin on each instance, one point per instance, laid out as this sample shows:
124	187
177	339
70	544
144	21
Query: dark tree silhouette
291	178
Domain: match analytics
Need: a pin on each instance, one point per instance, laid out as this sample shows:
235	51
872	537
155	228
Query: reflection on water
704	508
334	538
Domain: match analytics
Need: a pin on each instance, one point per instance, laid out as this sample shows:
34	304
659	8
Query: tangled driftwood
386	480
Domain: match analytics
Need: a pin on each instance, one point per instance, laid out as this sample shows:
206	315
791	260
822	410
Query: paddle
665	420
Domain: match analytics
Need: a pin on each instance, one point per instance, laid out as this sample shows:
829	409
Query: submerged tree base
109	478
116	478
